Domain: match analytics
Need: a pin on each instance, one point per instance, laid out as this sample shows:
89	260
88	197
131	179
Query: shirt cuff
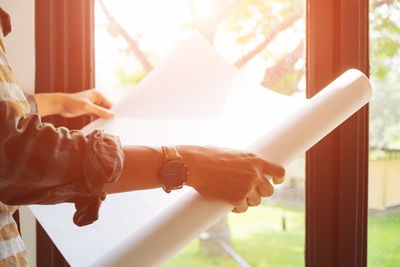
32	103
103	165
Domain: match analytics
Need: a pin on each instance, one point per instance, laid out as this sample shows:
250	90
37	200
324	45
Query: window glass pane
384	164
266	41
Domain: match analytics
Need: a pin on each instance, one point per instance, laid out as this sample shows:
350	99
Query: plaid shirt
41	164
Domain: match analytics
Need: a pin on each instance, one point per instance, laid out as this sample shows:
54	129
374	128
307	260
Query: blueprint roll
178	225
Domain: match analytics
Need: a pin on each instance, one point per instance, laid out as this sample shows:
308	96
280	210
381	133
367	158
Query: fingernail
278	180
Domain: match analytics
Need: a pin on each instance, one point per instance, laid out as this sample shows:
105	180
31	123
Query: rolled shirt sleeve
42	164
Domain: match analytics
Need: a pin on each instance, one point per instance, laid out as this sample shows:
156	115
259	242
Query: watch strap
171	153
174	171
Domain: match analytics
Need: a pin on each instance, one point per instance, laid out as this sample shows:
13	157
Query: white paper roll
194	97
316	118
181	223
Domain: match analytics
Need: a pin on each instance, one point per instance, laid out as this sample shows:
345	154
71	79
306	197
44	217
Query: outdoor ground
258	237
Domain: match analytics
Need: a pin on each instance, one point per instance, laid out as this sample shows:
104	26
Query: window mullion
337	167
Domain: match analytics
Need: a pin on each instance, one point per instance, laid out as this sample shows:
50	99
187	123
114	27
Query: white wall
20	45
28	231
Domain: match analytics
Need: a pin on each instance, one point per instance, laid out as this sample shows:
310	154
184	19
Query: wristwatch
174	171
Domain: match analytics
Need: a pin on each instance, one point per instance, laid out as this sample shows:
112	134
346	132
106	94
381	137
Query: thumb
100	111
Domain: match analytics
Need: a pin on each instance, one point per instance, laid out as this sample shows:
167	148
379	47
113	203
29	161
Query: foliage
288	84
255	21
384	155
247	21
129	78
112	30
250	22
385	65
385	111
250	18
385	39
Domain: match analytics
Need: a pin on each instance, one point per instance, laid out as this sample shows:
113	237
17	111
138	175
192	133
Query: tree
282	76
269	38
207	15
116	29
270	19
233	12
385	65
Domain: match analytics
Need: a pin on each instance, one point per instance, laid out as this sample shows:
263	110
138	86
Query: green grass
384	241
258	237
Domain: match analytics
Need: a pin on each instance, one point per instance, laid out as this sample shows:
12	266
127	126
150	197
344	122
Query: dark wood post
337	167
64	63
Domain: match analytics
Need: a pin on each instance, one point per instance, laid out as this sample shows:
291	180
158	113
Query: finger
265	188
241	208
99	111
253	199
273	170
275	180
102	100
278	180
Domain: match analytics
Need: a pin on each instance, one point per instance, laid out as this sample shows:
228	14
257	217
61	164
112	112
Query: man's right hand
236	177
69	105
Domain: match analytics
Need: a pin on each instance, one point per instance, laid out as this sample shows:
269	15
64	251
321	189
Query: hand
73	105
236	177
85	102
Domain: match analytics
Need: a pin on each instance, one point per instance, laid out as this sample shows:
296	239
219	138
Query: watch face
173	174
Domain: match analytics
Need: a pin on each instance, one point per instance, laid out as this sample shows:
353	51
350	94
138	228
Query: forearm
48	103
141	169
236	177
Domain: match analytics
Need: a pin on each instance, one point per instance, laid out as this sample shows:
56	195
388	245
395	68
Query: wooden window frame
337	167
64	38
